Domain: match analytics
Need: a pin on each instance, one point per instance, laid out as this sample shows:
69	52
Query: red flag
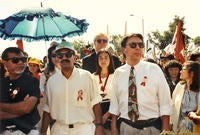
179	45
20	44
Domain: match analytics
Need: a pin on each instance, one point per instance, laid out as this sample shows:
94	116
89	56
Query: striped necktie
132	98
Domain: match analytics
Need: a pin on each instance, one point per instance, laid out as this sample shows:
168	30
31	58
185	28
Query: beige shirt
153	93
71	100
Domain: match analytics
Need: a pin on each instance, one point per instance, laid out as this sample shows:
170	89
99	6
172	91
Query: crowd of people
103	95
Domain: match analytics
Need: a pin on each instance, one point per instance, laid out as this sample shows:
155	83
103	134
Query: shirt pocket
80	98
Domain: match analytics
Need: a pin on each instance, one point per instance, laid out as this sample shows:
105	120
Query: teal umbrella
41	24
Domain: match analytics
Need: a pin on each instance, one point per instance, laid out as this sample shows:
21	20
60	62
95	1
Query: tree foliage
116	40
196	40
161	40
157	38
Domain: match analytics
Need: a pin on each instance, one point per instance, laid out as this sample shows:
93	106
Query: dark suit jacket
89	62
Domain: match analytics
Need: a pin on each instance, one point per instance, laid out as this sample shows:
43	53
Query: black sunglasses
53	55
102	41
67	55
134	44
16	60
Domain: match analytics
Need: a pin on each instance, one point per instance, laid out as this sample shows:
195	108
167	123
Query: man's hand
99	130
194	117
114	129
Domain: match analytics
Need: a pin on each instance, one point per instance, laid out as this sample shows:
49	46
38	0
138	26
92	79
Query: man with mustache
72	98
19	96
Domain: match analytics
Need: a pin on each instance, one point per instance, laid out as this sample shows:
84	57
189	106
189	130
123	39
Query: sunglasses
16	60
134	44
67	55
53	55
103	41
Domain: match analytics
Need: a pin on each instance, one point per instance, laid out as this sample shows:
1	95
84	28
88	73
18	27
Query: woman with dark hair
186	97
103	76
172	73
52	67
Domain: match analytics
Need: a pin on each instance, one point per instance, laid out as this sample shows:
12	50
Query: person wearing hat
34	67
72	98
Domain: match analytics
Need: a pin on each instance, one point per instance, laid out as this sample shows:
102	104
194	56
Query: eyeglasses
16	60
53	55
134	44
102	41
67	55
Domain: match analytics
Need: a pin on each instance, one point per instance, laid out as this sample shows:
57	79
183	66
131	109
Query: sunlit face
15	68
185	75
100	42
104	60
173	72
54	59
33	68
66	63
133	53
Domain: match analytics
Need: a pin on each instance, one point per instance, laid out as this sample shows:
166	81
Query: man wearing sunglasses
19	96
100	42
72	98
140	96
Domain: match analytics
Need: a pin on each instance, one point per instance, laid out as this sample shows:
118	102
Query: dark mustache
65	60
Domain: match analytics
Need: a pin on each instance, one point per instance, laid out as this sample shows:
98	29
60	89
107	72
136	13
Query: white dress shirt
153	93
71	100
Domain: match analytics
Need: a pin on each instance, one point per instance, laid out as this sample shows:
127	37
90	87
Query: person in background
172	73
103	76
186	97
150	60
195	56
44	63
100	42
165	59
149	97
34	67
19	96
52	67
122	58
72	98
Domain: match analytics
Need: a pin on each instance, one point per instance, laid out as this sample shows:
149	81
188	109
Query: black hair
15	50
110	66
125	39
50	65
172	64
193	67
194	56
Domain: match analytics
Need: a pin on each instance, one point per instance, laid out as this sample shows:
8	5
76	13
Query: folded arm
9	110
